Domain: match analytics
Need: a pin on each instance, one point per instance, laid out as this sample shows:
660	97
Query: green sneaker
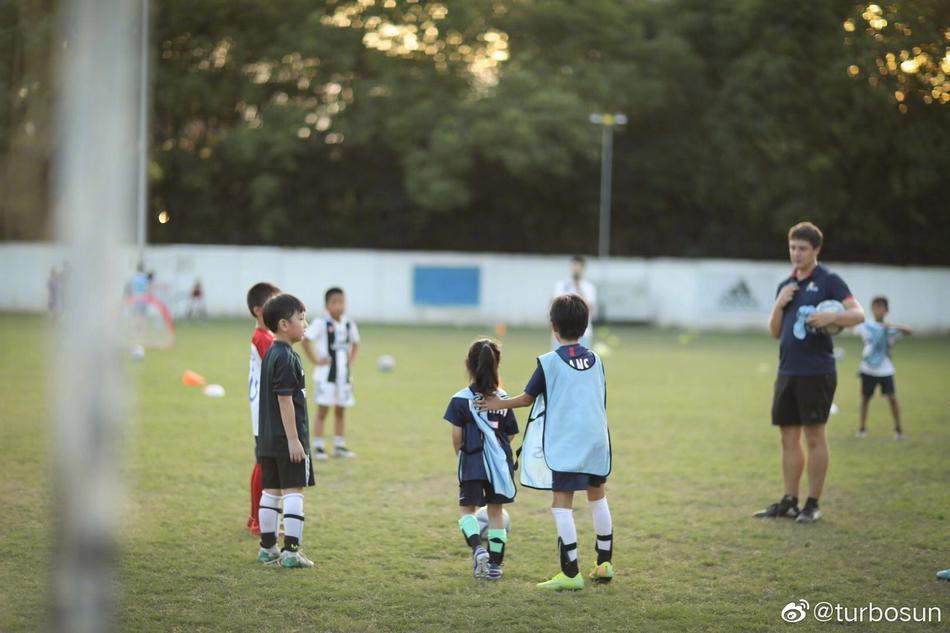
602	573
268	555
562	581
290	560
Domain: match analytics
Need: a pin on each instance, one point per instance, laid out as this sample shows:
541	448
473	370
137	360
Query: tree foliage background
463	124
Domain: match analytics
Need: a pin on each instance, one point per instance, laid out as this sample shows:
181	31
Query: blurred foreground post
96	69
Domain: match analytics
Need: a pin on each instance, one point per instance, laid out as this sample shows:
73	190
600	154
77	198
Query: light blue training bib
878	346
575	438
493	454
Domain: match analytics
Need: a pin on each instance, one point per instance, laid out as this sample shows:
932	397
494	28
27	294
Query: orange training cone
191	379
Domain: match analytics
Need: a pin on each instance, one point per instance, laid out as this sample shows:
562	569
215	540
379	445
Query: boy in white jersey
261	341
876	365
331	343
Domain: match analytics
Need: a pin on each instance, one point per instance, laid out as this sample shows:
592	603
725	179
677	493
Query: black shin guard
268	540
603	555
568	566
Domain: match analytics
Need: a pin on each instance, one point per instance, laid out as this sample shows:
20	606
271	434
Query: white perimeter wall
702	293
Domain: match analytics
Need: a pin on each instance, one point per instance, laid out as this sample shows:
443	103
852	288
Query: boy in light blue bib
567	443
877	368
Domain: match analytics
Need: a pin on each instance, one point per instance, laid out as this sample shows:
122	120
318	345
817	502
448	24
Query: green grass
694	455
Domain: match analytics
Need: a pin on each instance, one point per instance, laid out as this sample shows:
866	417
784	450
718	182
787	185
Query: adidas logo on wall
738	296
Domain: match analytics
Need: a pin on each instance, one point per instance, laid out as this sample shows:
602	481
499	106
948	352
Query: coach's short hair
570	315
808	232
282	306
258	295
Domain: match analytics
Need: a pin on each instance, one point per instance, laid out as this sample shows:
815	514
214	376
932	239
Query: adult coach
579	285
805	386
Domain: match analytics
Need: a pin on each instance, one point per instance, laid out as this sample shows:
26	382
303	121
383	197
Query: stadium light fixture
607	122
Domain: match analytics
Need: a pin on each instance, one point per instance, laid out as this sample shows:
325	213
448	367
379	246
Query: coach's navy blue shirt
505	424
813	355
576	356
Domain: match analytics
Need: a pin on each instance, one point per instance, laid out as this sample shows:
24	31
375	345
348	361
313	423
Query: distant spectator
196	303
579	285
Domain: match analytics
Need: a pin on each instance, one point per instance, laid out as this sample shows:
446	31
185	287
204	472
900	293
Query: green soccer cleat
602	573
268	556
562	582
294	560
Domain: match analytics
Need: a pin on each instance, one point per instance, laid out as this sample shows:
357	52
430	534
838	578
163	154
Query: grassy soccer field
694	456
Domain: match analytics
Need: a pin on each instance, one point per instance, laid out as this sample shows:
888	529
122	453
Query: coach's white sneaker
320	453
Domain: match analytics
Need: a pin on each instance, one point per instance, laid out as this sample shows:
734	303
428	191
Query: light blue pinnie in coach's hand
799	329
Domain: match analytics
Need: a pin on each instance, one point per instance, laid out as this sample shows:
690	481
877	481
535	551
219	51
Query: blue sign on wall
446	285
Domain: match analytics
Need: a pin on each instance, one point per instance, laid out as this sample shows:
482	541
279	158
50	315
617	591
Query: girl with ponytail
482	441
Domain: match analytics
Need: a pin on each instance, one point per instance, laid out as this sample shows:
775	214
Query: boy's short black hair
282	306
330	292
570	314
259	293
881	299
580	259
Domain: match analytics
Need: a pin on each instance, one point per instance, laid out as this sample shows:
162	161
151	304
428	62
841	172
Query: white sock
339	441
293	515
318	443
564	517
268	515
603	524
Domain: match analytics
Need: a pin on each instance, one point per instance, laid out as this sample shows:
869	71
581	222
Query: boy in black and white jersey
331	343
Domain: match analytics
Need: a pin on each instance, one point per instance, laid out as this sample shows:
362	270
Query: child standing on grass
336	339
482	441
876	365
261	341
576	442
284	435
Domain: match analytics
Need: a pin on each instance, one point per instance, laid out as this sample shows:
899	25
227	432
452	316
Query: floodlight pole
141	232
607	122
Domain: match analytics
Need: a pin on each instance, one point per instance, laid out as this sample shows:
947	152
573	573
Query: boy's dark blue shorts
870	383
566	482
479	492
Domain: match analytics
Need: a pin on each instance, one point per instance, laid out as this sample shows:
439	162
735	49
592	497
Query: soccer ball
830	305
482	517
138	352
386	363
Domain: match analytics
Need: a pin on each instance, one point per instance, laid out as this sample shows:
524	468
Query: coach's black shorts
478	492
870	383
803	399
565	482
281	473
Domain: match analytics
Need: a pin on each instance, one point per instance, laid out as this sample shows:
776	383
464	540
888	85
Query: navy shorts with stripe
279	473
